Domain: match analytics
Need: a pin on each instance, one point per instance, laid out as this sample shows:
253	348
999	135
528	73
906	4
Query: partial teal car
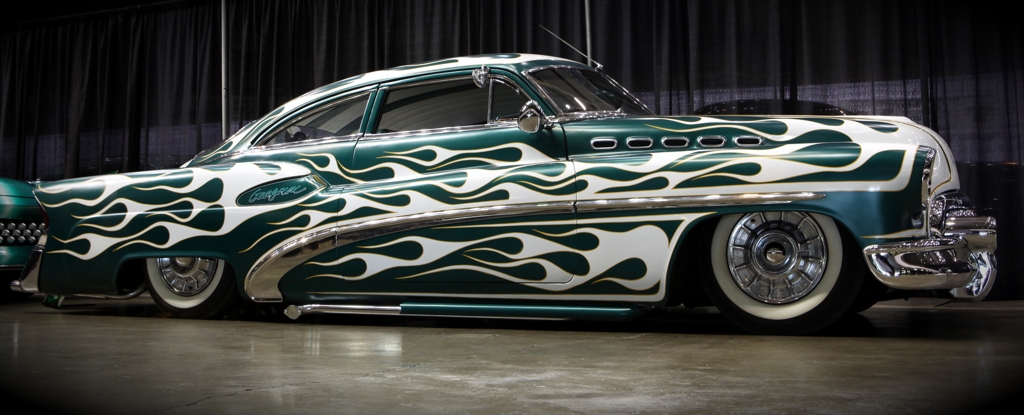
21	226
525	186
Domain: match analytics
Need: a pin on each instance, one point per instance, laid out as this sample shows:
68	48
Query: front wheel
782	272
190	287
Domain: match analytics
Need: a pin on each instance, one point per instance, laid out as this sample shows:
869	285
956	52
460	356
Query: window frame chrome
305	113
597	114
384	90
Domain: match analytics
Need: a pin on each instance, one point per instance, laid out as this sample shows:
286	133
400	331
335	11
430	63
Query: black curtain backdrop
139	88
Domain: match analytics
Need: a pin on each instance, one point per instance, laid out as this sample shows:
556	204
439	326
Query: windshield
576	90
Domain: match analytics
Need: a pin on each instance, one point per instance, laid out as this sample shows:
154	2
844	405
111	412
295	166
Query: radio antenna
597	66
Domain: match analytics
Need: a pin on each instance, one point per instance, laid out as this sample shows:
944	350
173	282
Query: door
450	196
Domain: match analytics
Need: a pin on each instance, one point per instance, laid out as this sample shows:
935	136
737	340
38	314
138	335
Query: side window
448	104
335	120
507	102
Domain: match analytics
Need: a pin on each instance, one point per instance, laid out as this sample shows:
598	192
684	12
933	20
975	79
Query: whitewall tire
190	287
782	272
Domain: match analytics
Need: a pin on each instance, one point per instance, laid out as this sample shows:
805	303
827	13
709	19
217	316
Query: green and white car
525	186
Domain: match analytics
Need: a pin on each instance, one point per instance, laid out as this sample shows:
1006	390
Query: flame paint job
869	169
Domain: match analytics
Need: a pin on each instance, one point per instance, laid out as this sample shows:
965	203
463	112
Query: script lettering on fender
261	195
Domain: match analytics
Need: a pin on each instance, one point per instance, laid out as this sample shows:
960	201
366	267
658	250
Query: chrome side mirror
481	76
531	118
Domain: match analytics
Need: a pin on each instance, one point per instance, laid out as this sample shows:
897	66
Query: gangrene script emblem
270	194
280	192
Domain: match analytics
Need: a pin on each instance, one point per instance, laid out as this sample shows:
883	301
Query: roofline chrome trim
695	201
261	283
303	113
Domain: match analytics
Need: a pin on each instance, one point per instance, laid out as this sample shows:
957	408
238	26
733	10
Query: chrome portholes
639	142
675	142
604	143
776	257
711	141
186	276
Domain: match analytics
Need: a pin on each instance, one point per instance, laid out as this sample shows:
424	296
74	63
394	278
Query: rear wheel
782	272
191	287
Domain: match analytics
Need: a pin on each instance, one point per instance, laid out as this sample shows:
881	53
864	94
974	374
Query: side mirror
531	118
481	76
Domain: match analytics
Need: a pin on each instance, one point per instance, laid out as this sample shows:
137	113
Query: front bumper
959	257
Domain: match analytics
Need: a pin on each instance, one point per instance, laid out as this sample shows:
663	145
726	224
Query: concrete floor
124	357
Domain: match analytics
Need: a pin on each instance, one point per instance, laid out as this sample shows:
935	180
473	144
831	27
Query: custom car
524	186
21	225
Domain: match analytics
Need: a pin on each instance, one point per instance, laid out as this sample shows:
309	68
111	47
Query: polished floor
125	357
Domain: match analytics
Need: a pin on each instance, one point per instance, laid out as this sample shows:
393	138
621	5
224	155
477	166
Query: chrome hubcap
187	276
776	257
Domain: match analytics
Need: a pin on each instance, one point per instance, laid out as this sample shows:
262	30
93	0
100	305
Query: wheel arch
131	271
690	257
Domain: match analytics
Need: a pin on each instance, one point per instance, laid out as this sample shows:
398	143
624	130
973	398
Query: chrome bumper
29	281
961	258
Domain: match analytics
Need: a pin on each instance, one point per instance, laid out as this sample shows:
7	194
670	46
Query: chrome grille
18	232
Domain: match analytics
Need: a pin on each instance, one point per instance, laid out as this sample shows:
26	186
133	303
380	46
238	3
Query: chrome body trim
695	201
400	134
959	257
639	142
597	140
29	280
294	312
261	282
926	192
280	125
665	142
303	143
701	140
946	206
588	115
137	292
921	265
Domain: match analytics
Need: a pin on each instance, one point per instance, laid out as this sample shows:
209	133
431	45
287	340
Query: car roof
514	62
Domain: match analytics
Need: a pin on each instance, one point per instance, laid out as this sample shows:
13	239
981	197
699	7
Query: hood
793	129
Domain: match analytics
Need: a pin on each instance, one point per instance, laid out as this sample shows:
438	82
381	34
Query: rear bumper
29	281
960	258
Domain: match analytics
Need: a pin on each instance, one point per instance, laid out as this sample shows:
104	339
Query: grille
17	232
